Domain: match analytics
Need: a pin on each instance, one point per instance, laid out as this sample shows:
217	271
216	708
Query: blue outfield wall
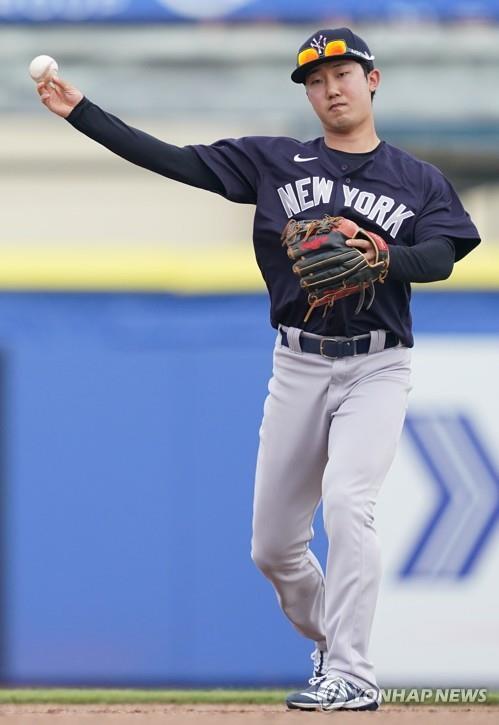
129	434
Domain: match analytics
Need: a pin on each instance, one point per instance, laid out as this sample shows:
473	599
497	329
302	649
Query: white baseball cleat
333	694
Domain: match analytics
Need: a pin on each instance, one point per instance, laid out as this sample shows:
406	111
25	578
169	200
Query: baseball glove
328	269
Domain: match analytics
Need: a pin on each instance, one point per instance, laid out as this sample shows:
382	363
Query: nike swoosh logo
299	159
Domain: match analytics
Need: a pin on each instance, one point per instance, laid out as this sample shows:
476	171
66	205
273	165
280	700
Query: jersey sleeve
234	162
443	215
142	149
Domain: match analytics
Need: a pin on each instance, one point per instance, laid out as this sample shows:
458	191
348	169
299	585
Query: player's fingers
44	88
359	243
61	84
57	90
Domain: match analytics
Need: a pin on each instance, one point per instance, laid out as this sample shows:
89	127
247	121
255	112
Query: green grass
77	696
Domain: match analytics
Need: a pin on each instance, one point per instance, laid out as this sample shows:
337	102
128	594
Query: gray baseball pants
330	430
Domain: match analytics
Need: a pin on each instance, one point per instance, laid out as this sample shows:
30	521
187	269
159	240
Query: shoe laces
316	680
317	658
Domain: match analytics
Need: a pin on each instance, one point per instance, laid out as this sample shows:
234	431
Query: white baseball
43	68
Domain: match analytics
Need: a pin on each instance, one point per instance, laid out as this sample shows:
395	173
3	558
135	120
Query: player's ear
374	79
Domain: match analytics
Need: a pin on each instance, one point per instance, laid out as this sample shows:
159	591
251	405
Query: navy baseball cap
331	44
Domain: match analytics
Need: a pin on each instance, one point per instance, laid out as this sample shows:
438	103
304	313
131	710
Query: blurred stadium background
133	370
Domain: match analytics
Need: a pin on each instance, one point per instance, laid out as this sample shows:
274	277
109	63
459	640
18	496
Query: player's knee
343	510
264	558
344	503
269	556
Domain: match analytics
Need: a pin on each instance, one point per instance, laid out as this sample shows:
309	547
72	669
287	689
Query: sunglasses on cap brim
332	49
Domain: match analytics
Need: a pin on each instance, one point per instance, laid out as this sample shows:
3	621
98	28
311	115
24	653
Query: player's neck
358	141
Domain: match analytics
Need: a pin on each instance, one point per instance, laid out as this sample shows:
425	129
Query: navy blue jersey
387	191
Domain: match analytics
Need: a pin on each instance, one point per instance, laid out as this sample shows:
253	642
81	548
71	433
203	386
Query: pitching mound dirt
239	715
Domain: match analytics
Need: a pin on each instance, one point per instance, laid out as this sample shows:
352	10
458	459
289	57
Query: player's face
340	94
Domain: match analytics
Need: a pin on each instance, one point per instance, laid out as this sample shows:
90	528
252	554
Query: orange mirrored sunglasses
334	47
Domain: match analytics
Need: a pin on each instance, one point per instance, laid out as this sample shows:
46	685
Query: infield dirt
239	715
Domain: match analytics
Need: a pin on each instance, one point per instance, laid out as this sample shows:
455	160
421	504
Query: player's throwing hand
59	96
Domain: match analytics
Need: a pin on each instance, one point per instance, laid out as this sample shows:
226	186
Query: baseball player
338	393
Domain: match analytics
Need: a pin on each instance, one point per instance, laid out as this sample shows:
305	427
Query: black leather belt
334	348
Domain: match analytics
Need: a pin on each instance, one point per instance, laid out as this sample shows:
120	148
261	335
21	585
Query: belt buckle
344	348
